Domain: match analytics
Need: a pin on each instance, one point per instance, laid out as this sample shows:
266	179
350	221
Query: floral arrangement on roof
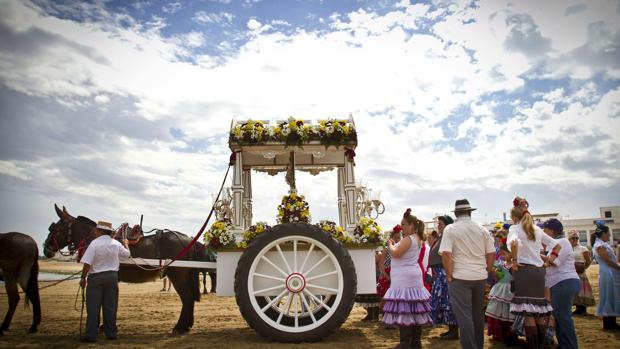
219	235
337	232
252	232
368	231
251	131
294	208
294	131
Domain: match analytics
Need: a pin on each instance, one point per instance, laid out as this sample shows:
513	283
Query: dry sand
146	317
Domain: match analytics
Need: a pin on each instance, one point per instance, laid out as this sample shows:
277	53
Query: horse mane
86	220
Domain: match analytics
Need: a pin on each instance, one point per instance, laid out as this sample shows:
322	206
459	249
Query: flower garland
250	131
294	132
368	231
219	235
336	231
252	232
294	208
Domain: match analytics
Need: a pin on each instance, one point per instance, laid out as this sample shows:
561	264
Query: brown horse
76	234
19	265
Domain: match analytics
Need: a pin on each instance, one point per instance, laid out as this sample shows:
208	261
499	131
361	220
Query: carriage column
342	208
237	189
247	198
349	191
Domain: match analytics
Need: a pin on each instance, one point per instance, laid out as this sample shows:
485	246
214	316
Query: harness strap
189	246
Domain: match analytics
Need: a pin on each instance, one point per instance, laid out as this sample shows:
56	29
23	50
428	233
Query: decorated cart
294	281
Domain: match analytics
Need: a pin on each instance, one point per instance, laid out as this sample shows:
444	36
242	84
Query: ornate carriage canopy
267	145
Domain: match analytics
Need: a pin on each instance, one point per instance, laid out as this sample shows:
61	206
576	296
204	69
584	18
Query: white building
586	226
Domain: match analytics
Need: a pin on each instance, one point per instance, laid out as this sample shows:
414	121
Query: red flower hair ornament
522	203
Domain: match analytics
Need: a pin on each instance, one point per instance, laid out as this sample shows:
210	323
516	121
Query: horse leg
10	284
204	281
213	277
180	281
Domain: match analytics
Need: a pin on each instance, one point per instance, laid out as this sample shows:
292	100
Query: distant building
585	226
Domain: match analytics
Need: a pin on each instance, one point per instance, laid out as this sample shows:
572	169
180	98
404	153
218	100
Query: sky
115	109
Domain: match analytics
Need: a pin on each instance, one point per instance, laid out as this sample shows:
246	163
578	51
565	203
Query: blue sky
115	109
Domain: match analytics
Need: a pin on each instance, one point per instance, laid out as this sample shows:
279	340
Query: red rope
204	225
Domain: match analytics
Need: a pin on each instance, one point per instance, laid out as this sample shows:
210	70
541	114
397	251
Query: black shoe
579	310
451	334
111	338
88	340
405	338
609	323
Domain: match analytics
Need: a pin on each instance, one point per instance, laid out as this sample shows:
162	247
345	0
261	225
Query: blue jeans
562	295
101	294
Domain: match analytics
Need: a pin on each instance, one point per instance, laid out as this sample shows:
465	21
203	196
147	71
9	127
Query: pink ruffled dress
407	301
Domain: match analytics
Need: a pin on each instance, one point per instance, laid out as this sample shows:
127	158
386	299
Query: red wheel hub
295	283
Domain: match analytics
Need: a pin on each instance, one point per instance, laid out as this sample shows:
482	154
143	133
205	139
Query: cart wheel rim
301	281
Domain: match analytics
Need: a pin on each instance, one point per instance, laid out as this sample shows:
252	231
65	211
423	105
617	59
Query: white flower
286	131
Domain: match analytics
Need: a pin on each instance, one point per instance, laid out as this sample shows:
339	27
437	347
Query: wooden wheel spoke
274	301
303	264
307	273
316	299
275	266
322	275
333	290
283	258
269	289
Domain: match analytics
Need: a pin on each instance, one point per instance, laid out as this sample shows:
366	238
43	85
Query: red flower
215	242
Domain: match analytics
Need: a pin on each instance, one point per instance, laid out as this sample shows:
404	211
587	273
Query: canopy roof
267	146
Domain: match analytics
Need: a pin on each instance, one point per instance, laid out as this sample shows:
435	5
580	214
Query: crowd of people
536	273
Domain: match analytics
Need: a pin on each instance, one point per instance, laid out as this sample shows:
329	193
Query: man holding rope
101	262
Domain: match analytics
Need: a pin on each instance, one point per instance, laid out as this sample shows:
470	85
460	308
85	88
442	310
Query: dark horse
77	233
19	265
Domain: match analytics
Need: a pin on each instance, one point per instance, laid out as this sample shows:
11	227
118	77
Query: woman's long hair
520	212
418	225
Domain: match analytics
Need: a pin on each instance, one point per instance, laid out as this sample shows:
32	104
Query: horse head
68	231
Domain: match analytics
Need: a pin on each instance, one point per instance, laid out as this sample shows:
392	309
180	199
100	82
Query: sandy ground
146	317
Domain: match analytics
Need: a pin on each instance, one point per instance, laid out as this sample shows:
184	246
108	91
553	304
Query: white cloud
402	86
253	24
14	170
222	18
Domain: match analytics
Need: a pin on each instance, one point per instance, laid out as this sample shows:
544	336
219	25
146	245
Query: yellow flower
346	130
260	229
277	130
294	196
339	229
300	204
288	207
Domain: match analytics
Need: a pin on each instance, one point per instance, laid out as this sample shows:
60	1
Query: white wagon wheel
295	283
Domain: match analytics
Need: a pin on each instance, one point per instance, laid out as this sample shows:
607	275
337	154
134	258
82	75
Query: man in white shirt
467	252
101	262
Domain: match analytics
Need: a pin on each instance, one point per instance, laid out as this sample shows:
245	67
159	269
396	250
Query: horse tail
32	293
32	287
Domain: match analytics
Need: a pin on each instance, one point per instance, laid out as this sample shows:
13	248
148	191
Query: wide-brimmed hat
462	205
104	226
